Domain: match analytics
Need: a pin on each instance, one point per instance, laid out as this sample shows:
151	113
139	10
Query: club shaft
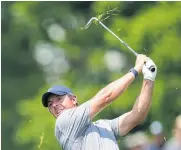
135	53
94	18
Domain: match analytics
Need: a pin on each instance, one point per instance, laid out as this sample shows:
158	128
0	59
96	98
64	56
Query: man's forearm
109	93
143	102
117	87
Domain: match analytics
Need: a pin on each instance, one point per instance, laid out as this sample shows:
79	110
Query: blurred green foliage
152	28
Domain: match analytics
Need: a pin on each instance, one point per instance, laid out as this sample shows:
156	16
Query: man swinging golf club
74	128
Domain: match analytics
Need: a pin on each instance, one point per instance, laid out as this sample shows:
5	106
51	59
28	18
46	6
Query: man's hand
147	72
140	61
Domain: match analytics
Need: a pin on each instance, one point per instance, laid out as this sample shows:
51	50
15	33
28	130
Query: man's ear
74	99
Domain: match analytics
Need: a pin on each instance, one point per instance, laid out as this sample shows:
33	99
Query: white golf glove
147	73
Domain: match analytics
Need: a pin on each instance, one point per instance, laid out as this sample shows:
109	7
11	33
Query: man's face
57	104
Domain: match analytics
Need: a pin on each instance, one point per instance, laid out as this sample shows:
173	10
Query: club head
90	21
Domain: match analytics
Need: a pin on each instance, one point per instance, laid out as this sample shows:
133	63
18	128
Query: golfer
74	128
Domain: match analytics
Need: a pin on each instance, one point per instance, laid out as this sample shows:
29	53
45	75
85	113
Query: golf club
94	18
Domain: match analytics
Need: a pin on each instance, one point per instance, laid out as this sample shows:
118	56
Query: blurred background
43	44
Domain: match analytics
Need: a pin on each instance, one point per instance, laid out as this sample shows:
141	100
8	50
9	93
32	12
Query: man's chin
56	116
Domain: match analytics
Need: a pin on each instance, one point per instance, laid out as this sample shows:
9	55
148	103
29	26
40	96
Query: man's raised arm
141	107
108	94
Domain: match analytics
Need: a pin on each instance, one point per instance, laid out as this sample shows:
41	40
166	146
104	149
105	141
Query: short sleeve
114	124
72	123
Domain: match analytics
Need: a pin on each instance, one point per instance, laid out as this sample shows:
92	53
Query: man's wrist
134	71
148	81
146	77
